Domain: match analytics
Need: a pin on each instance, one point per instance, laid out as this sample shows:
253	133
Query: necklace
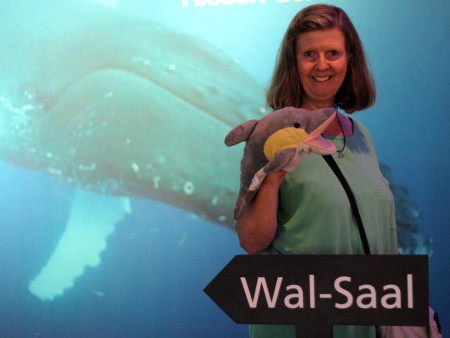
341	155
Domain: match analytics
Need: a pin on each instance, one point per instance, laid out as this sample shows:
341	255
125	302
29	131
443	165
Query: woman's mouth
321	78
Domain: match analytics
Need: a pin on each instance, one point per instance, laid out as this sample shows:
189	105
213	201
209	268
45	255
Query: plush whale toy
277	142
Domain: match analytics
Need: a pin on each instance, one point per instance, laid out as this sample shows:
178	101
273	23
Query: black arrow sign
315	292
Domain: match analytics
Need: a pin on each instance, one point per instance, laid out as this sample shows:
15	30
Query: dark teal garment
315	217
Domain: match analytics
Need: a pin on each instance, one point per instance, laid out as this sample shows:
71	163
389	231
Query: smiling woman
321	64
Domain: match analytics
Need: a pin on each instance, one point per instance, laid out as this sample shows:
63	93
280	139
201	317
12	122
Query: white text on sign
368	297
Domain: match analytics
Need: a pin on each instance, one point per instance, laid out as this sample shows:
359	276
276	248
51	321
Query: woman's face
322	65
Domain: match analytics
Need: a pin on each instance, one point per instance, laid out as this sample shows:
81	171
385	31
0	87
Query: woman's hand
258	224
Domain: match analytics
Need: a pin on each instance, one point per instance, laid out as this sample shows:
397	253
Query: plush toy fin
280	160
295	161
240	133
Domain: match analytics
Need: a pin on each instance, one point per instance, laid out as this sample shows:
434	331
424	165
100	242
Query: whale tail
92	219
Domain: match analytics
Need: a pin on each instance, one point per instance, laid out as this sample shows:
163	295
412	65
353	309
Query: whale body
117	106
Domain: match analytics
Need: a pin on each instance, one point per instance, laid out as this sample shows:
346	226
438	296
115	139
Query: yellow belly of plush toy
289	137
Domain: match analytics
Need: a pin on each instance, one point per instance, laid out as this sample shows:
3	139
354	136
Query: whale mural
118	107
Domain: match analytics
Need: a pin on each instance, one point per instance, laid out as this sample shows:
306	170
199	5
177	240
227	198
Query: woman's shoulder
361	132
358	126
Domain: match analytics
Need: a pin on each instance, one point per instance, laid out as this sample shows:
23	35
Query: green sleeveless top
315	217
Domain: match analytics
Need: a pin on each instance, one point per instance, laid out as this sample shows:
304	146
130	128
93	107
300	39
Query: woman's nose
322	63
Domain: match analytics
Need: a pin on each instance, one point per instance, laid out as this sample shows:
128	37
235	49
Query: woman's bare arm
258	224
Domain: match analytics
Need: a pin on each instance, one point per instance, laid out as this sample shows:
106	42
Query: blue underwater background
149	284
151	277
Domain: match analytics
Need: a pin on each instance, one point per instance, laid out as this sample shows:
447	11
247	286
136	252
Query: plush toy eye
297	125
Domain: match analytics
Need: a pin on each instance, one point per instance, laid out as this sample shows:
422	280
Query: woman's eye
334	54
307	54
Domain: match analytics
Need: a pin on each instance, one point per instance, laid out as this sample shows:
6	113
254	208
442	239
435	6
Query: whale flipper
92	219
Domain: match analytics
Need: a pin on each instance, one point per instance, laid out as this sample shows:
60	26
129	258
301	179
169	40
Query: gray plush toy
277	142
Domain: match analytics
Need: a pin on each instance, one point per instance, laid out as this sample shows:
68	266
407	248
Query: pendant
341	155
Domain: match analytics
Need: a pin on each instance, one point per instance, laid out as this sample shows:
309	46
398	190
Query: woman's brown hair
358	89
